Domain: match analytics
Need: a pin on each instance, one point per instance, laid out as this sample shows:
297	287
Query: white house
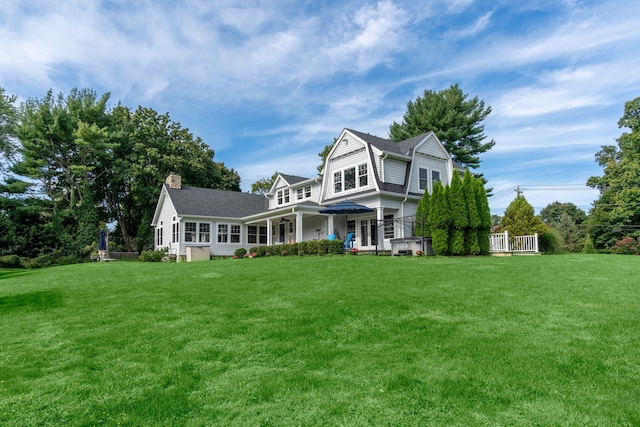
384	175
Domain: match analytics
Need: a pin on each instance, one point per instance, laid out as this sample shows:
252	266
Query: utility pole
518	190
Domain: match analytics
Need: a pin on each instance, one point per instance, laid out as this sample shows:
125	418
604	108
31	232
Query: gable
430	145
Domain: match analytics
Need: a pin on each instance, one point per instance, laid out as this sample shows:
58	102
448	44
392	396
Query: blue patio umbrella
102	241
345	207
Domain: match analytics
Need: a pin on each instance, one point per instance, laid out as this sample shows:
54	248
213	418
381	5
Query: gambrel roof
403	147
198	201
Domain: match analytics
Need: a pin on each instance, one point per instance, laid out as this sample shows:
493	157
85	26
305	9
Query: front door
282	231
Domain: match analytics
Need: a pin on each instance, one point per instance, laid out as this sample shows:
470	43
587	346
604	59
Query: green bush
302	248
550	242
588	247
152	256
336	247
240	252
10	261
40	261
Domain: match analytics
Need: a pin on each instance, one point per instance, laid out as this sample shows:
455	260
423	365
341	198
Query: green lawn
338	341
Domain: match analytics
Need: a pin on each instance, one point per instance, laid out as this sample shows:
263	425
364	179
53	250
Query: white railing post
507	244
536	243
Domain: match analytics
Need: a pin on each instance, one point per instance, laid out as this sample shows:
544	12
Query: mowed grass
338	341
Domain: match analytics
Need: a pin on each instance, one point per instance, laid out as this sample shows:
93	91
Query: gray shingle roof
217	203
293	179
402	147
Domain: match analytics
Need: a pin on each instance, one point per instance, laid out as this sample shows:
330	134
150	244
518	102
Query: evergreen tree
422	228
459	216
484	213
519	219
471	245
455	119
439	219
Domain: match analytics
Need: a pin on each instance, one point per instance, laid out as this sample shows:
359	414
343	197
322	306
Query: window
350	178
283	196
300	194
189	232
337	182
159	235
362	175
235	233
223	230
290	227
252	234
435	177
254	237
423	178
307	191
205	229
175	232
388	227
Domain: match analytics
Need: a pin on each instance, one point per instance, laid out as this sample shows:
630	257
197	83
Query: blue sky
267	84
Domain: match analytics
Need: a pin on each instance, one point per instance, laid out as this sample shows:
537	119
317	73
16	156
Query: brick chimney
174	181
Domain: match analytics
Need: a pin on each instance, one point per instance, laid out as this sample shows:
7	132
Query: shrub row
42	261
313	247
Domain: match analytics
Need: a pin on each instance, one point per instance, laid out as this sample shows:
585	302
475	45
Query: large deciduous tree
99	164
453	117
617	211
151	146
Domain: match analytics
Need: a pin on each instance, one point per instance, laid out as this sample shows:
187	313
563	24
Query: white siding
408	215
281	185
353	160
394	171
431	164
166	215
430	147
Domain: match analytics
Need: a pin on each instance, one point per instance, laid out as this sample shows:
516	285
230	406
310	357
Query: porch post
298	227
330	225
380	227
269	232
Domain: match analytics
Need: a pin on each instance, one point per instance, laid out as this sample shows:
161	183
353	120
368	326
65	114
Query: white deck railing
501	243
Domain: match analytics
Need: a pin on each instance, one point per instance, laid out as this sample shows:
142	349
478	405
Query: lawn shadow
31	301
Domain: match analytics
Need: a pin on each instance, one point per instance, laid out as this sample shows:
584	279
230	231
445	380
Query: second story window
299	194
337	182
423	178
307	191
350	178
435	177
362	175
286	195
